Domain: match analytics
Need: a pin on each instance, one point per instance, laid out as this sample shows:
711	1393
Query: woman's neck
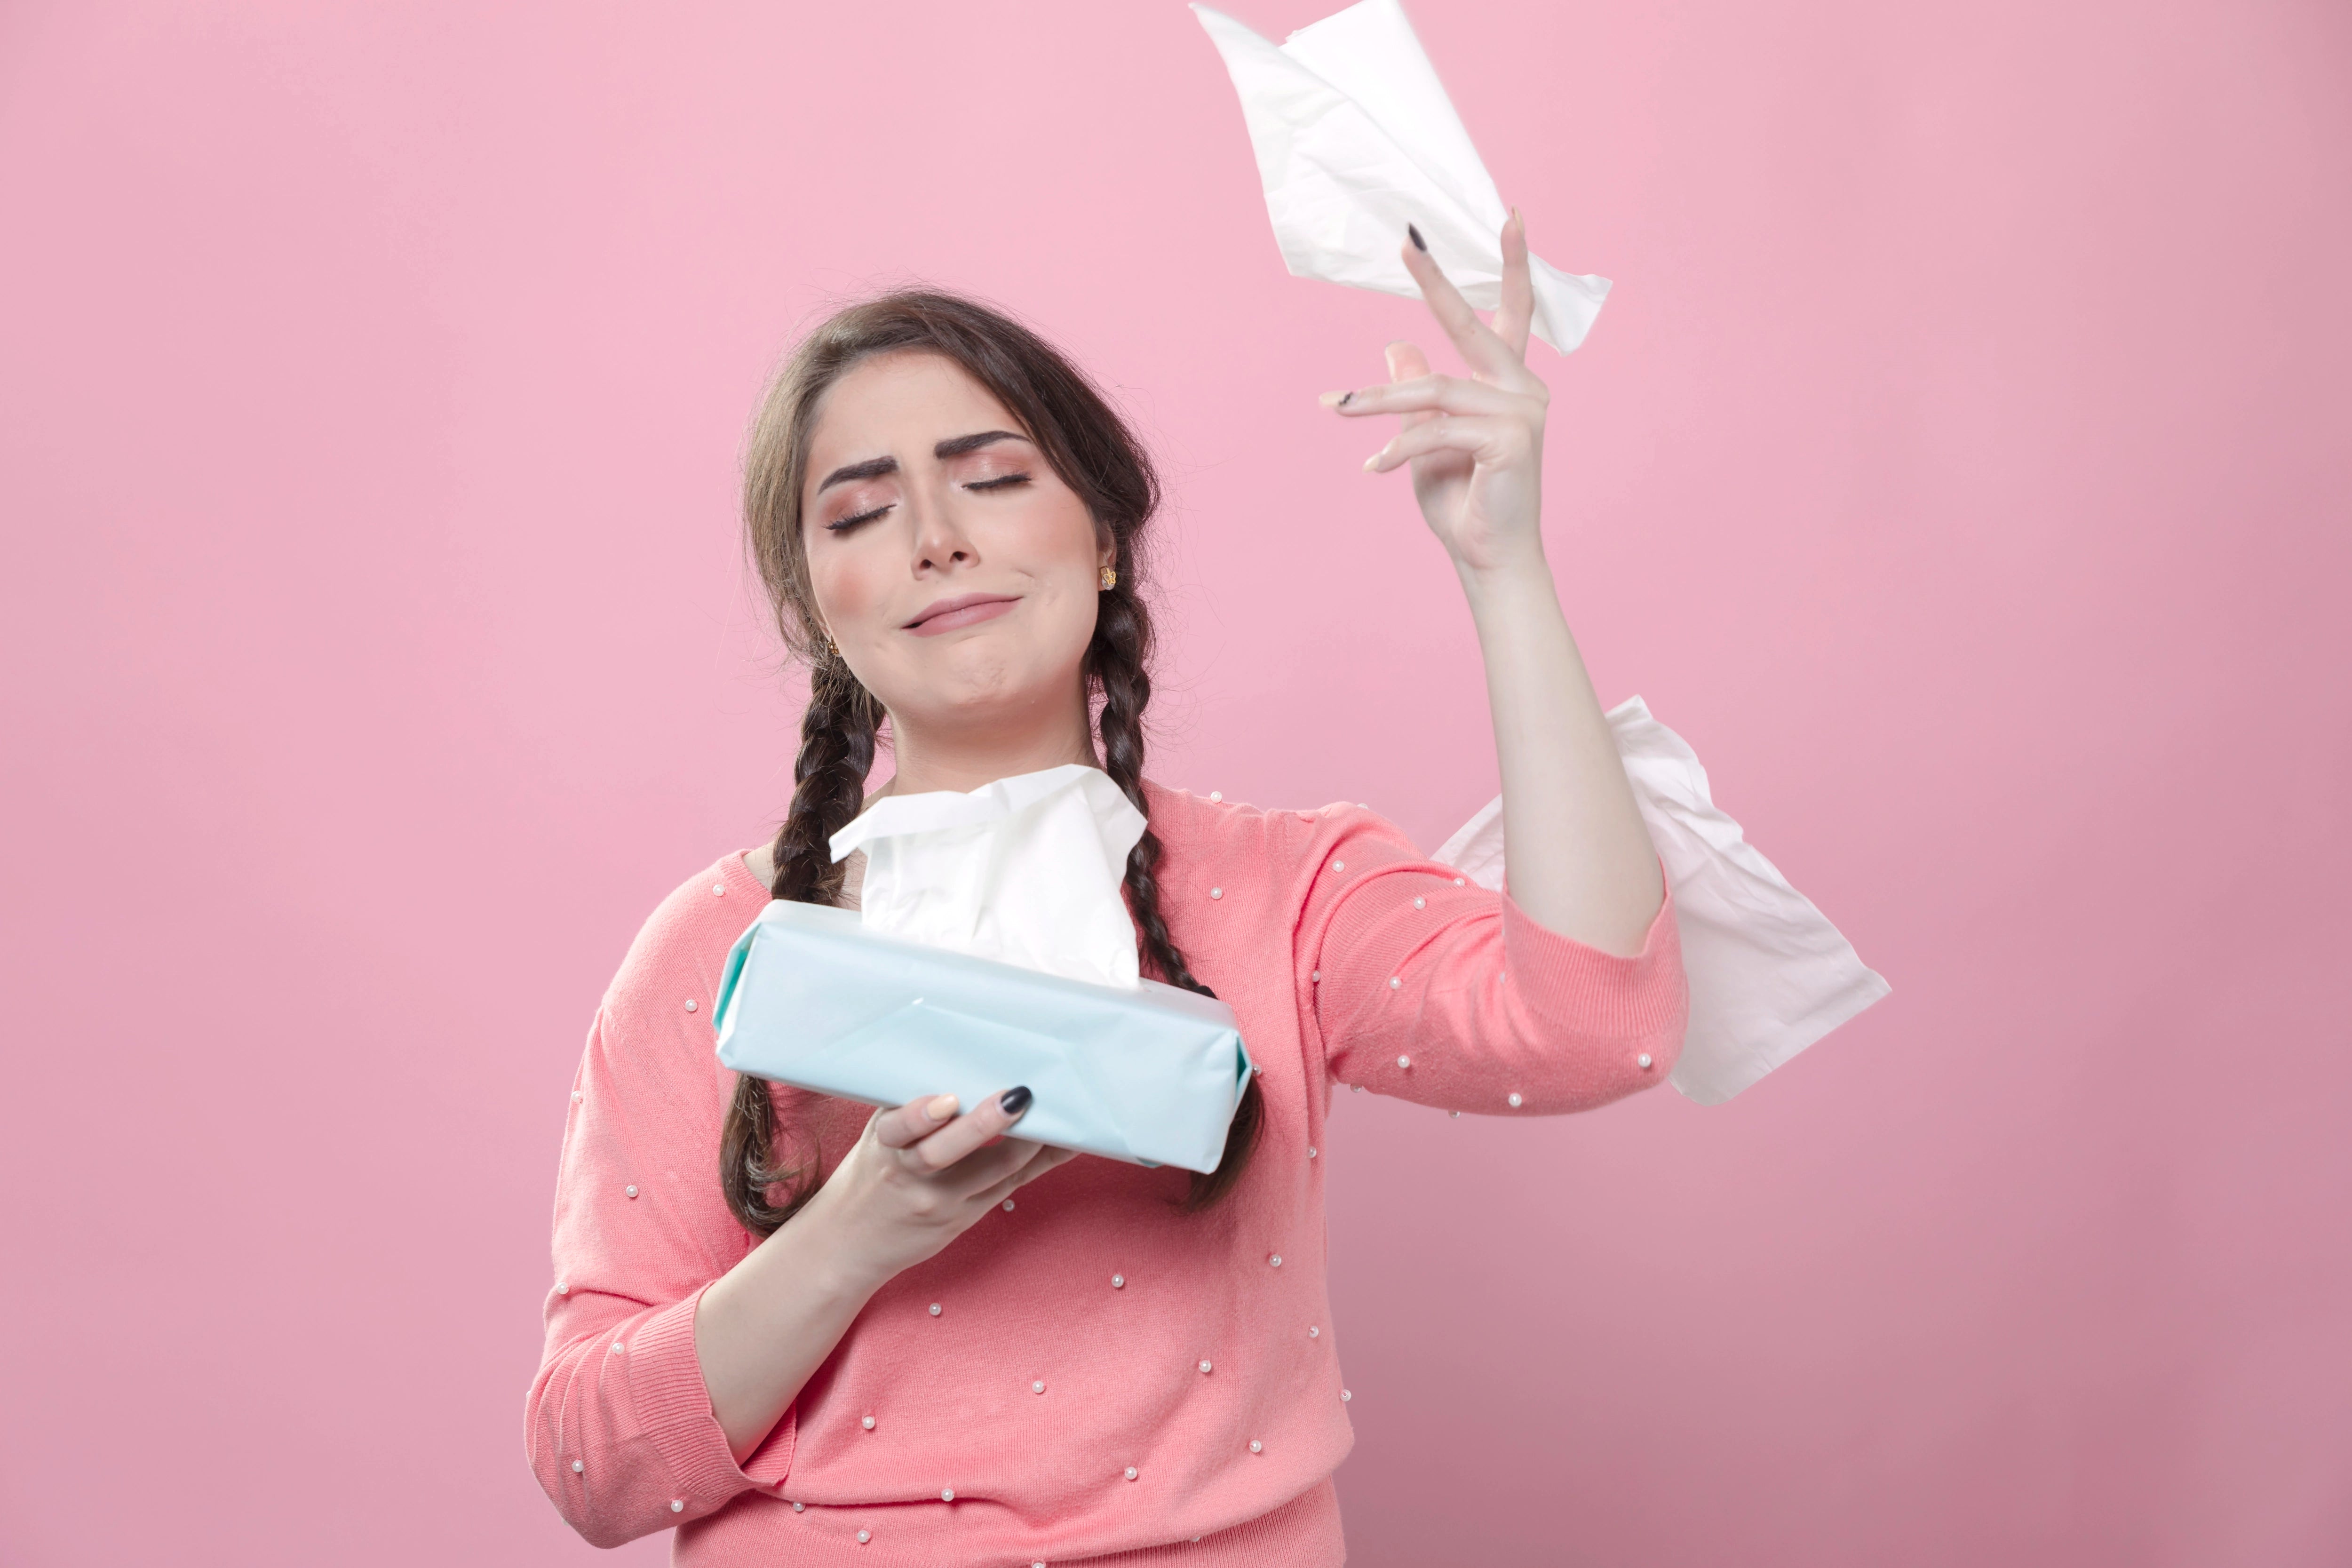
956	760
963	759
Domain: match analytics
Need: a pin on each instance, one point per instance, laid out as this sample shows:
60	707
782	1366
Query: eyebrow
957	446
953	447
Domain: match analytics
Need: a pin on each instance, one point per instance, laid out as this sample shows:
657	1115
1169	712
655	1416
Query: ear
1106	546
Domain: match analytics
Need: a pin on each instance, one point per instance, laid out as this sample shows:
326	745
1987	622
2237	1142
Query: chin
976	678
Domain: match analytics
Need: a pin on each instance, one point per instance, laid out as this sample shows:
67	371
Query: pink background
1961	465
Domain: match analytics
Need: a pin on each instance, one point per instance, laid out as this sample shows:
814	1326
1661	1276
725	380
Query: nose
940	544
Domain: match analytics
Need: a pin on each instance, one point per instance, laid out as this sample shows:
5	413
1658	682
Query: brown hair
1093	451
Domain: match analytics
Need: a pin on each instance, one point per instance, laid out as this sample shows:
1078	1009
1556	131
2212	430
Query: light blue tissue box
813	999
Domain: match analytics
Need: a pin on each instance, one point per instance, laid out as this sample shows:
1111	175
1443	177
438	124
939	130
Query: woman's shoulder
1188	824
1279	841
680	952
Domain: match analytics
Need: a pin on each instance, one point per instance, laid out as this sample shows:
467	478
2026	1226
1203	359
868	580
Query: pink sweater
1088	1372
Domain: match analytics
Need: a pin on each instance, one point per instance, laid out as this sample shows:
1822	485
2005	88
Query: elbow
604	1534
1613	1024
581	1483
1655	1059
1657	1046
1654	1014
1642	1039
1675	1023
1637	1049
569	1491
1625	1066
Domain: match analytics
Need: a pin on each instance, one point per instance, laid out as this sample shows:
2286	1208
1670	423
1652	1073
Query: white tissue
1768	974
1355	138
1027	870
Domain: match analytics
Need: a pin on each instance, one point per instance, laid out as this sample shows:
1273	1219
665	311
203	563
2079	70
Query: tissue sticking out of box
1355	138
1027	870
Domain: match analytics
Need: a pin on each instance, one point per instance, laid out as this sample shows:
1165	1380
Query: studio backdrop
1960	464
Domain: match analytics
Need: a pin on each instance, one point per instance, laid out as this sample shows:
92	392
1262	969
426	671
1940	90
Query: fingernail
1371	462
1013	1101
941	1107
1418	243
1335	399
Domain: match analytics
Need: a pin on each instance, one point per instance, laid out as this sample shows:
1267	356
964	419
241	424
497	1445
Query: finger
918	1119
991	1174
1407	363
1045	1160
1029	1161
1049	1159
1487	440
1480	348
975	1126
1036	1159
1518	306
1428	394
985	1167
1001	1192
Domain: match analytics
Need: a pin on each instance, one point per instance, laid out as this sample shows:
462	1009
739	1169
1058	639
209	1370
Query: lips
963	610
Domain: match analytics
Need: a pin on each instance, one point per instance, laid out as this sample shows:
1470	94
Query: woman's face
954	568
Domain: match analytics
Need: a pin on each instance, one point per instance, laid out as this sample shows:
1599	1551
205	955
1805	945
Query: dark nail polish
1418	243
1013	1101
1347	400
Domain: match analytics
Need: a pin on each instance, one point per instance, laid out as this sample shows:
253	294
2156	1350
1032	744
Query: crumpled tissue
1355	138
993	947
1768	973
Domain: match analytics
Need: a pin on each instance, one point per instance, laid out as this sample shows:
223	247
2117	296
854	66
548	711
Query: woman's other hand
1476	445
920	1176
917	1177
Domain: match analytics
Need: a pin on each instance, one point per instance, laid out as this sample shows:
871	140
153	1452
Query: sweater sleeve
1427	986
618	1422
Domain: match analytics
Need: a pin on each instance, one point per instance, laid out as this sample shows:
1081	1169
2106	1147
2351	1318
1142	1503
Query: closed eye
1002	482
843	524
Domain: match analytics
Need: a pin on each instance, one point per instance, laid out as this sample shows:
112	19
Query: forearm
1577	853
763	1330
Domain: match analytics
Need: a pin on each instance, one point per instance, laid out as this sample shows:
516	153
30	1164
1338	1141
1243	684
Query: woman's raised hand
1577	853
921	1176
1476	445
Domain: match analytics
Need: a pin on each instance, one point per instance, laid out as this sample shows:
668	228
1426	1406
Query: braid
1090	448
837	732
1118	662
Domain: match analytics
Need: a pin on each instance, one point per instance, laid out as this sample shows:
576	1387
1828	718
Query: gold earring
831	651
1109	578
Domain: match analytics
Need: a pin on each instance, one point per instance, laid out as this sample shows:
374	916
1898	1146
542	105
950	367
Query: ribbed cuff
1644	997
673	1408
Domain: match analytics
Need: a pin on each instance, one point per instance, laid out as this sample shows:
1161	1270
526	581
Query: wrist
826	1256
1519	580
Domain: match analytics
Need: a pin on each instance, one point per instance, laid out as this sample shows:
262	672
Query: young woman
800	1331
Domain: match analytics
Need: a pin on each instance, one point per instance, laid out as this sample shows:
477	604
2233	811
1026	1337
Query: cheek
849	587
1056	534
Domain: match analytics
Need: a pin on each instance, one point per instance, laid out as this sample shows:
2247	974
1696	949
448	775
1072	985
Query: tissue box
812	999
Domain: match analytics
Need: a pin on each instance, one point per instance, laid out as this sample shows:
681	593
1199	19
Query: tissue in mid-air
1355	138
1768	973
